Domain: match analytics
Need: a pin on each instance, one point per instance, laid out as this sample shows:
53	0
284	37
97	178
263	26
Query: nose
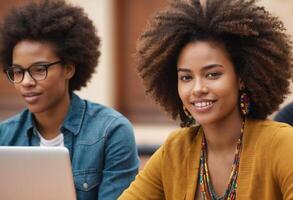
27	80
199	88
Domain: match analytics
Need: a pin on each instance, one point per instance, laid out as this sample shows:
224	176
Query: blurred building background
115	83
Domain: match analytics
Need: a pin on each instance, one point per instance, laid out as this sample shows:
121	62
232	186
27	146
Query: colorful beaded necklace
206	187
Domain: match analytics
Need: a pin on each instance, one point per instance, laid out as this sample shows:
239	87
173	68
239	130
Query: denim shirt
100	141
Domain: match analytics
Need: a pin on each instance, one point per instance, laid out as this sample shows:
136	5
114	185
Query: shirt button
85	185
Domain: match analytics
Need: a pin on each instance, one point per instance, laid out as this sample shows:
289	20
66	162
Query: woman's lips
203	106
32	97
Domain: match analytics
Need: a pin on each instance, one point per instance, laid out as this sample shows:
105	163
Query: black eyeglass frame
45	65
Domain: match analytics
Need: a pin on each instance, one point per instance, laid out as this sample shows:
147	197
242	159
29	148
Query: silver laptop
36	173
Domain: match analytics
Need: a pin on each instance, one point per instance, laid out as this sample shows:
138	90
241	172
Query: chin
35	109
203	122
206	120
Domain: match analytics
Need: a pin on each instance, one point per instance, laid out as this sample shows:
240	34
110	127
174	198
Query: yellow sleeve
282	161
148	183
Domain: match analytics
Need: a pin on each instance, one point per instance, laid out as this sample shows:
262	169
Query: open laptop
36	173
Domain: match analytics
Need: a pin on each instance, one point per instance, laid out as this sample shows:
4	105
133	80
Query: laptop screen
34	173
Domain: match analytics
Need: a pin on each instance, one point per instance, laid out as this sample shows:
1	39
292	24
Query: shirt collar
75	115
28	119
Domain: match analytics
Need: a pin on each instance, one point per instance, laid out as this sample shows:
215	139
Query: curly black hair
65	26
254	39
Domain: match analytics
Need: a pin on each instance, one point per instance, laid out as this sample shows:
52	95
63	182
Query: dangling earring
190	120
187	113
244	103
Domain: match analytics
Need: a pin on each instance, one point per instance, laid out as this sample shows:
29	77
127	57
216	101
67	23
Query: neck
222	137
49	122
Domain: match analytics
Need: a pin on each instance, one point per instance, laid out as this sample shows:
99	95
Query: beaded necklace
206	187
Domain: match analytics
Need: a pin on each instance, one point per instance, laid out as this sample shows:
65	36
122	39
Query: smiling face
207	83
50	93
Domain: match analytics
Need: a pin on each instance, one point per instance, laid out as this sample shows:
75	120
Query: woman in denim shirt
49	50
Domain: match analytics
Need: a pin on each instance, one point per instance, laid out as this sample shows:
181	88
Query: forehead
27	52
203	53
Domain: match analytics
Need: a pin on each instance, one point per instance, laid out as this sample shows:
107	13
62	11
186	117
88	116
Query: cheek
228	87
56	80
17	87
183	92
56	86
230	94
53	85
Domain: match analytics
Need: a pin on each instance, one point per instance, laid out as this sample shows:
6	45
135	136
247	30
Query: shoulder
269	128
100	112
106	122
14	127
282	135
15	120
93	122
276	148
268	147
271	135
91	111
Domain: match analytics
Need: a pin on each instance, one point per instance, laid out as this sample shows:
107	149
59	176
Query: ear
69	71
241	84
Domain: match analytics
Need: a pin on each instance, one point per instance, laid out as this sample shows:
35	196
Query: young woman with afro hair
49	50
221	67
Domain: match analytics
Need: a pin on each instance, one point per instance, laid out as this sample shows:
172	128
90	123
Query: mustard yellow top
265	171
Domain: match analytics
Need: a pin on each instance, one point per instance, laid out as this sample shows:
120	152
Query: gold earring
244	103
187	113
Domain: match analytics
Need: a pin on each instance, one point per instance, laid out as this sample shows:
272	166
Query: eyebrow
36	63
207	67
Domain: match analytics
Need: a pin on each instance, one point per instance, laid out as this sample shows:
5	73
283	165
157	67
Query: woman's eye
38	69
213	75
185	78
17	72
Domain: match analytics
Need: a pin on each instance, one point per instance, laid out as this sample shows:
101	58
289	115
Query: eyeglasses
37	71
